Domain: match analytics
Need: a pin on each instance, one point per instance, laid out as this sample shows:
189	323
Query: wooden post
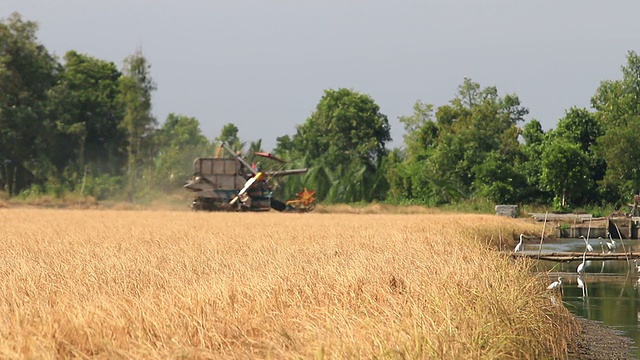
622	241
542	237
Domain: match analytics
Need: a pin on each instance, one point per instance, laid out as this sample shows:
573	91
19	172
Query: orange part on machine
305	198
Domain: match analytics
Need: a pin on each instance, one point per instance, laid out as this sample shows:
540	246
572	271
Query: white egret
614	245
580	268
611	246
635	262
520	246
555	284
589	247
581	285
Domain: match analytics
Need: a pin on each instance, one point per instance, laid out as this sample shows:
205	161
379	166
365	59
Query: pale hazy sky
263	65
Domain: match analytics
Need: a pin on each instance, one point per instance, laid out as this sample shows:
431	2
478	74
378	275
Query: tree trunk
3	176
11	170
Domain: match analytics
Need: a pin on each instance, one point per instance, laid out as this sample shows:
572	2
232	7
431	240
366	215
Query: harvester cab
232	184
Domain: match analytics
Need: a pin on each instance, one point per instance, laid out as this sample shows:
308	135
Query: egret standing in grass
555	284
586	242
520	246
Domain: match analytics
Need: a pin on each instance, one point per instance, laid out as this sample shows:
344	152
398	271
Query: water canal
611	292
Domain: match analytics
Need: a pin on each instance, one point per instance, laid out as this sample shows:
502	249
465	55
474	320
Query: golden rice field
107	284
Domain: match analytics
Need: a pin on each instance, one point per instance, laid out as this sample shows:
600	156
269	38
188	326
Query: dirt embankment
600	342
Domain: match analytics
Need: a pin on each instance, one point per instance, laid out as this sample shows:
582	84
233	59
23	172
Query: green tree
421	131
400	188
581	127
85	109
284	146
410	174
564	169
27	73
498	177
254	146
136	86
229	136
346	125
620	147
179	142
618	109
406	169
530	165
344	141
287	187
469	149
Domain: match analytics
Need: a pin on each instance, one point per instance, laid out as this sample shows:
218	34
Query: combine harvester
232	184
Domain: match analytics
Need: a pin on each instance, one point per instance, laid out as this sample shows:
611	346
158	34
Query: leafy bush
102	187
32	192
558	207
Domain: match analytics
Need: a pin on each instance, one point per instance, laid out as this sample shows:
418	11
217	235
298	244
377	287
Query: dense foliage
84	125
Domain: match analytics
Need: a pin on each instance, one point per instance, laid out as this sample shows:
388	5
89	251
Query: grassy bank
161	284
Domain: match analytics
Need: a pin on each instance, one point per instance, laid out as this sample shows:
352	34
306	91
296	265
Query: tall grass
160	284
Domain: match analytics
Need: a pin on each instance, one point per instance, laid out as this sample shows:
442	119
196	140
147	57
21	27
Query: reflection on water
615	303
608	291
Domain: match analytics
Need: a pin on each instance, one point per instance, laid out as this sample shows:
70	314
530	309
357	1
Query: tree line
85	125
